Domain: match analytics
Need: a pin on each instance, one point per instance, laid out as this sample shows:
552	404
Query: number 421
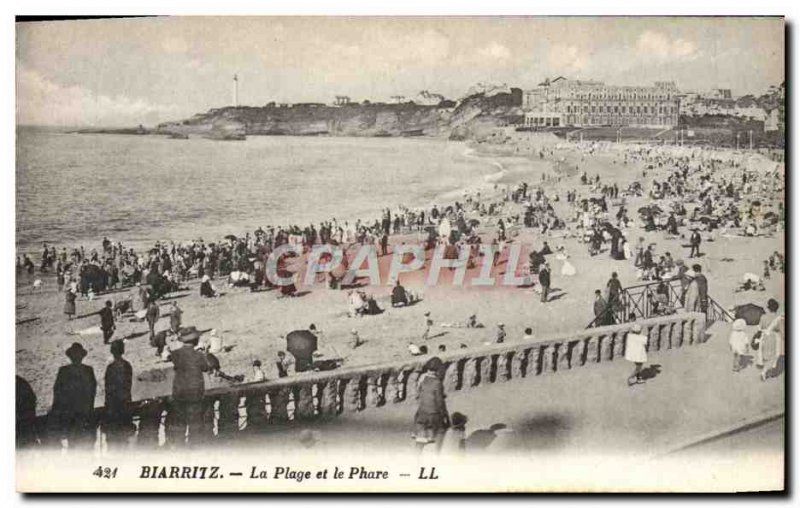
105	472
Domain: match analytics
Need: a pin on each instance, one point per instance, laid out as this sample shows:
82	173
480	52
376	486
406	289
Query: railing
643	301
258	407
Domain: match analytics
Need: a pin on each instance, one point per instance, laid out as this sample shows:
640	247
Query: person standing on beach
175	315
695	244
428	325
69	303
107	321
188	389
500	337
118	383
544	280
602	312
702	288
73	399
431	419
771	354
636	352
152	315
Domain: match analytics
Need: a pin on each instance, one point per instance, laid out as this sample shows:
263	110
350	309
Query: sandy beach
252	323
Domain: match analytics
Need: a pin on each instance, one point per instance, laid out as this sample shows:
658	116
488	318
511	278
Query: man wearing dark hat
73	399
694	240
188	388
544	281
702	287
118	383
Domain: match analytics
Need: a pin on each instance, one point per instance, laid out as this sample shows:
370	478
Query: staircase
643	301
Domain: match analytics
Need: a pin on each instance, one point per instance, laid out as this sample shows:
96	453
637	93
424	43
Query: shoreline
255	322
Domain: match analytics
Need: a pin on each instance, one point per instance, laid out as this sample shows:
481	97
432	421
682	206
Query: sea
73	189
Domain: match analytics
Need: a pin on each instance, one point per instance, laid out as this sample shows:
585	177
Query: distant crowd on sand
689	197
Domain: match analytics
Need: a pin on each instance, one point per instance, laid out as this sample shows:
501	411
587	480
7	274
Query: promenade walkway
693	394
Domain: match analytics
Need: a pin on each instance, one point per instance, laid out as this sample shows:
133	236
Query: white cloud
656	44
44	102
567	58
495	51
379	49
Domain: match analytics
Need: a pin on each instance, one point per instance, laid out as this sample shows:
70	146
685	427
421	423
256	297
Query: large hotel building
562	102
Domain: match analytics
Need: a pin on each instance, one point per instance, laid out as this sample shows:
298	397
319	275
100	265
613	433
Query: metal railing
658	298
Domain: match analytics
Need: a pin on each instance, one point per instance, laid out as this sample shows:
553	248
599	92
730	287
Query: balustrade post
328	399
304	402
562	350
394	387
654	338
675	338
372	397
470	377
618	345
518	363
535	361
606	348
592	349
412	385
503	366
450	380
279	405
228	423
688	332
352	394
577	353
255	407
485	369
149	414
548	358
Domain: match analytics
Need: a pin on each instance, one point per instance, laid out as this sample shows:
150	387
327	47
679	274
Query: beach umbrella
302	344
231	237
750	312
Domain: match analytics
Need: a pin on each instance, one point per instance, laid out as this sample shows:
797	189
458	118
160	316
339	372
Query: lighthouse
235	91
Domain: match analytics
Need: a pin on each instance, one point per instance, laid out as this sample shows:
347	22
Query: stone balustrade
257	407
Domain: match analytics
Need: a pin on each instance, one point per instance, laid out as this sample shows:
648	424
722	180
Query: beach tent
302	344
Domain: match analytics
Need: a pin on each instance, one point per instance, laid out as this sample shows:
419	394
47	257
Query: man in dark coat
544	280
702	287
614	292
73	400
118	383
188	388
107	321
602	312
399	296
695	243
672	225
26	414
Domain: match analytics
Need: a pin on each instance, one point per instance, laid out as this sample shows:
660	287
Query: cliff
472	117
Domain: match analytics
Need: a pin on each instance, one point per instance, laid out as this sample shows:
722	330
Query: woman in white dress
739	343
636	352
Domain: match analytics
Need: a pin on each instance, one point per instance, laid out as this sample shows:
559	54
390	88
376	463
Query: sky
150	70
